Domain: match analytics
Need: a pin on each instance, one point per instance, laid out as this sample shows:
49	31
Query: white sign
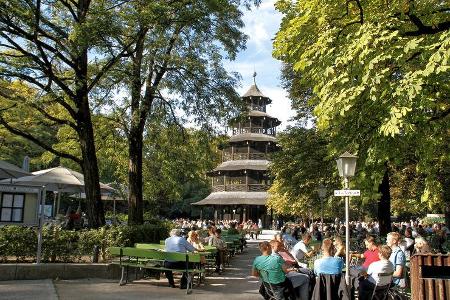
18	189
341	193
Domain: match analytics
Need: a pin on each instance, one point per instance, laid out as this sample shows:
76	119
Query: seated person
273	271
299	281
301	251
211	233
195	241
177	243
282	251
288	239
328	264
216	241
421	246
397	258
340	247
370	255
254	231
383	265
232	230
407	244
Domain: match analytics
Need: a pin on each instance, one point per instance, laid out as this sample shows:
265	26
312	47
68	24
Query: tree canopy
374	74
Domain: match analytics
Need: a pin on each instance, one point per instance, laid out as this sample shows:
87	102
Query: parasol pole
41	199
59	200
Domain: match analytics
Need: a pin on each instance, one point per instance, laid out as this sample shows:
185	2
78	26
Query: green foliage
61	245
433	220
375	76
175	162
299	168
16	241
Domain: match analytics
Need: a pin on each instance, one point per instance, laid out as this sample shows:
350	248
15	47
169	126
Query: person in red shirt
370	255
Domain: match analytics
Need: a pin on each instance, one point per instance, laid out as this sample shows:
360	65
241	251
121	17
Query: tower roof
254	91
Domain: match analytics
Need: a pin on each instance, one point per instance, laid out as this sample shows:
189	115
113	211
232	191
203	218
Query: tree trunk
135	197
384	205
94	204
95	212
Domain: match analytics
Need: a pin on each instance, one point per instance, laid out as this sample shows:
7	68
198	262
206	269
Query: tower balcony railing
240	188
262	130
257	107
241	156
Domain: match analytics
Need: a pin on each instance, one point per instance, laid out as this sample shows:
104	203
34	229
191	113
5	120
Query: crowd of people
295	258
192	236
240	227
289	266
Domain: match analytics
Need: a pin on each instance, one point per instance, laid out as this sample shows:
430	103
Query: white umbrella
55	179
8	170
59	179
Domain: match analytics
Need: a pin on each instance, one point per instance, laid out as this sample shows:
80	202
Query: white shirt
377	267
299	250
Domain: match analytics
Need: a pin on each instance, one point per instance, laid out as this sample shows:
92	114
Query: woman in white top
383	266
407	244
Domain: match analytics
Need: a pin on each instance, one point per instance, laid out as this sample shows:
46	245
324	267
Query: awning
244	164
259	137
234	198
8	170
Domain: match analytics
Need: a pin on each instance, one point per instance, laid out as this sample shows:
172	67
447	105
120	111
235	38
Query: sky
261	25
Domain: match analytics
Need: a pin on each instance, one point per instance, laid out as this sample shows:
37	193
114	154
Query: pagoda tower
241	181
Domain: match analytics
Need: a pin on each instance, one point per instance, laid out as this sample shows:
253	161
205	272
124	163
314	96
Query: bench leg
121	278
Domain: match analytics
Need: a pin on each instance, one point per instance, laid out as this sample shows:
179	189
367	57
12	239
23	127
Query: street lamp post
346	164
322	190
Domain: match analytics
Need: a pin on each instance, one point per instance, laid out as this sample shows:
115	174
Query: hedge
19	243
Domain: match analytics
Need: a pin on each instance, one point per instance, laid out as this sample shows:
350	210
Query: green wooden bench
153	259
209	253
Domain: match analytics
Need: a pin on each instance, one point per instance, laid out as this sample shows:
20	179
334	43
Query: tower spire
254	77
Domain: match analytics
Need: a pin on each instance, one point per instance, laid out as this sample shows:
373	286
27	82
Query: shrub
17	241
69	246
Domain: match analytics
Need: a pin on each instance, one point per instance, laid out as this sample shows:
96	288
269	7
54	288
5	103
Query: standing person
383	265
274	273
221	246
317	233
397	258
177	243
260	224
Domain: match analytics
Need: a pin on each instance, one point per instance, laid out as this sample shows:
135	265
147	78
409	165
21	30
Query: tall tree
376	74
299	169
60	49
177	64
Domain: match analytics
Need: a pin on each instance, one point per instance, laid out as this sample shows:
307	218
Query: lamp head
346	164
322	190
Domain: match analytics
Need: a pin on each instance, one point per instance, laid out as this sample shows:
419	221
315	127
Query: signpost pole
347	235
